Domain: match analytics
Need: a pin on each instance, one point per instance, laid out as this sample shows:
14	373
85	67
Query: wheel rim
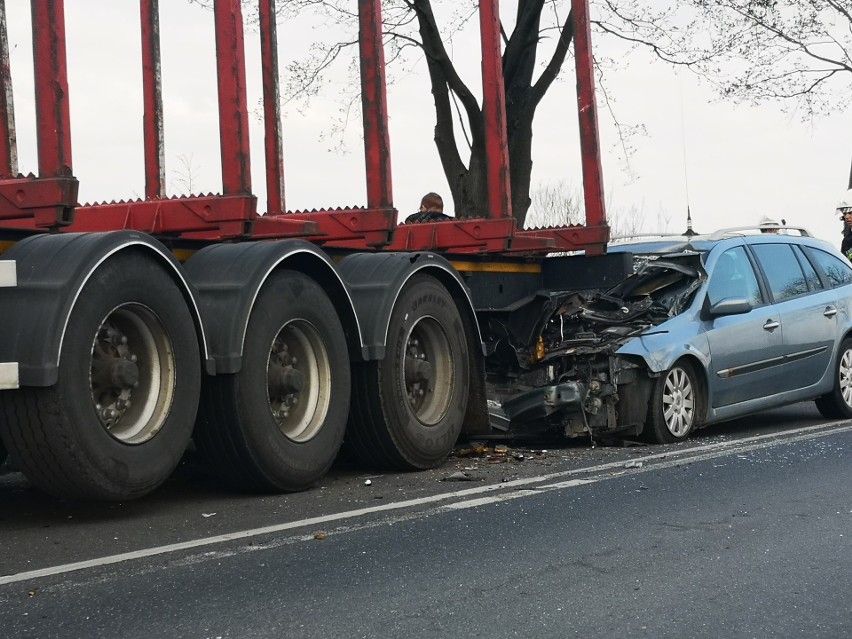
299	380
132	373
428	371
678	402
845	377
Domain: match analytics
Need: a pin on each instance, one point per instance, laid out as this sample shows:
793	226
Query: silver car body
759	316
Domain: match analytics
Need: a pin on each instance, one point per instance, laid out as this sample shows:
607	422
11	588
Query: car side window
733	277
837	271
782	270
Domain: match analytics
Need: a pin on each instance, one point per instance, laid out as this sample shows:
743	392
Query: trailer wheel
409	407
120	415
838	403
278	424
675	407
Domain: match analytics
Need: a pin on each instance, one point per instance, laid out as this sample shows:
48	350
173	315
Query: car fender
661	349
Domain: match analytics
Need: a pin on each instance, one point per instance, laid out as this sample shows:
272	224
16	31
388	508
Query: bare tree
554	204
558	204
797	53
537	35
186	175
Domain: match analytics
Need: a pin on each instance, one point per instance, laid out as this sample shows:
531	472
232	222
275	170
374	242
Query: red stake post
233	108
590	146
374	106
494	109
152	119
274	148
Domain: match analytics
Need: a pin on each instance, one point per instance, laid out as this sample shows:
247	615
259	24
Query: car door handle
830	311
771	325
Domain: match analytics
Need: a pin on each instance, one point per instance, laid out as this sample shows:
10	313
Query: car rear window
837	271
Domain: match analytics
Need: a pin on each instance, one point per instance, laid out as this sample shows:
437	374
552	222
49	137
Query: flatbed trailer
268	338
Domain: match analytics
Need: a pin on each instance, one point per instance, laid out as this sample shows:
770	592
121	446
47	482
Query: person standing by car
844	207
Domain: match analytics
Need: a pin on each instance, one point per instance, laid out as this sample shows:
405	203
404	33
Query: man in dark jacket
431	210
844	207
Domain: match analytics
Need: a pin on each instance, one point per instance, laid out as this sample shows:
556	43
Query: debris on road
459	476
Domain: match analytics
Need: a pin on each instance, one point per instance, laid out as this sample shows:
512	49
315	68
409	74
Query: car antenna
689	231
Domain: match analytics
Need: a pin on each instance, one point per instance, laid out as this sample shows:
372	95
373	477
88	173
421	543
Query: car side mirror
729	306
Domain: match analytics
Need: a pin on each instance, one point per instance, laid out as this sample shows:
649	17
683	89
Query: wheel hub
418	374
298	379
114	374
131	373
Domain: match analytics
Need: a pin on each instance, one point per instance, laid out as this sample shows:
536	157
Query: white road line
571	483
669	457
474	503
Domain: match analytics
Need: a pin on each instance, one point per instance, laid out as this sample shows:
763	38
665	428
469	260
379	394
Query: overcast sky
730	164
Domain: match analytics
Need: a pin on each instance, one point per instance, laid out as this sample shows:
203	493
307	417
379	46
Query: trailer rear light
9	375
8	370
8	274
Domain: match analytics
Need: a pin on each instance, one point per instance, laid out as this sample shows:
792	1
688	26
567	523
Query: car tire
675	407
838	403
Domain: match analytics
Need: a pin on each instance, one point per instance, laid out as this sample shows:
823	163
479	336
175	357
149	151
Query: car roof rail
742	230
636	236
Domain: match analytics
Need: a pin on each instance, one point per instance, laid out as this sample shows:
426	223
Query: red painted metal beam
591	239
233	108
590	147
349	227
374	106
8	143
494	109
152	119
53	120
273	146
220	215
37	203
456	236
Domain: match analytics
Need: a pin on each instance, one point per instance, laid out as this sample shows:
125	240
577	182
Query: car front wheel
675	406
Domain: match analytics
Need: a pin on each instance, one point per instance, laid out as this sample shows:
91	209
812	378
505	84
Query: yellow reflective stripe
496	267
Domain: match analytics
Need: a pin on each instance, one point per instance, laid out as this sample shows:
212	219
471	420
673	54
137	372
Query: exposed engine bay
552	365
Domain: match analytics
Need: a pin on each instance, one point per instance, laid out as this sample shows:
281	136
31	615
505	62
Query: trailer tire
120	416
278	423
409	407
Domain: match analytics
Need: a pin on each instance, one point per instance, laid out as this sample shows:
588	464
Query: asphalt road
742	532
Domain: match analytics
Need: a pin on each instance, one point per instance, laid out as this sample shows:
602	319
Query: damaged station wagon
707	328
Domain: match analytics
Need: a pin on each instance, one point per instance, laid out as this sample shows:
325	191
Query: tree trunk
469	187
